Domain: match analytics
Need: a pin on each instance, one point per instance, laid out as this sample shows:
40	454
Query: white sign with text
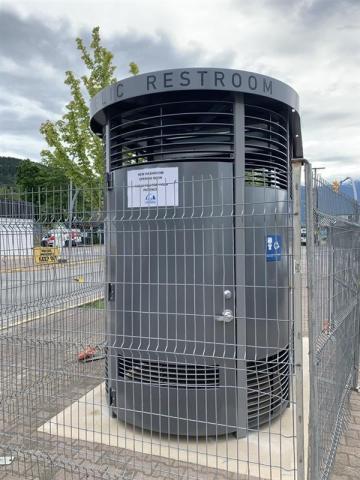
153	187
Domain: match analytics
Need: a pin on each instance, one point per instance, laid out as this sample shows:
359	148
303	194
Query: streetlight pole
353	186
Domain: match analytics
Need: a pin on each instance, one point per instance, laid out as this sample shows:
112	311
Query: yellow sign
79	279
46	255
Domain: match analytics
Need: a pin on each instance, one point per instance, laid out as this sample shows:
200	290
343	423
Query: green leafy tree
8	168
73	148
32	176
45	186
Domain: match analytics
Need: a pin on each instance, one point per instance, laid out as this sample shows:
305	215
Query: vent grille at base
268	387
267	380
171	374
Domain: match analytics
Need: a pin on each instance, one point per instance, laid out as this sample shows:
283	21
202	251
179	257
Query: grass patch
98	304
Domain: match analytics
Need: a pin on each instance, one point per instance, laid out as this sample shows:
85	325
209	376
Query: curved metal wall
197	135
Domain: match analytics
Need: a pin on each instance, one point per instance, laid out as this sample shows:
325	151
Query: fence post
313	467
297	300
355	385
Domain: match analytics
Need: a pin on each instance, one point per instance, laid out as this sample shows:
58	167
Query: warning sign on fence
47	255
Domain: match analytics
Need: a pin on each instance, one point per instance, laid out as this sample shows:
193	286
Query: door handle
226	316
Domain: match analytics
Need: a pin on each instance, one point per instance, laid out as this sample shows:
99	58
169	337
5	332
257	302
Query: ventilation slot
178	375
266	148
188	130
268	387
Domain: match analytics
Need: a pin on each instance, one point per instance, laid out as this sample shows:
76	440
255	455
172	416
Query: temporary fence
166	340
333	261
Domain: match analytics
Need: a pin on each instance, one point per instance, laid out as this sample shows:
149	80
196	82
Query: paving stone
340	477
342	458
354	460
356	419
351	442
347	461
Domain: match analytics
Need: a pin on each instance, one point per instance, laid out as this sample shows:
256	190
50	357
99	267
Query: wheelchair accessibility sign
273	248
151	198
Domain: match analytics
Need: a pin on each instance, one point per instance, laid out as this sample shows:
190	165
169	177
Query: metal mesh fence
165	341
170	356
333	249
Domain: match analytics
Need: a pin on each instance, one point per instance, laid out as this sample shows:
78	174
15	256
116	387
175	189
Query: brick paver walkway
347	461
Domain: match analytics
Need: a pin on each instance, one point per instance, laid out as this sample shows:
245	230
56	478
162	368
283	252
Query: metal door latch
111	292
110	180
226	316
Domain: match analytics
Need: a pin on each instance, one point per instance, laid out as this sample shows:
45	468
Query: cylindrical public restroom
198	165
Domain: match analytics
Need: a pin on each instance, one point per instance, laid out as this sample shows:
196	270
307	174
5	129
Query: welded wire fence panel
152	338
333	276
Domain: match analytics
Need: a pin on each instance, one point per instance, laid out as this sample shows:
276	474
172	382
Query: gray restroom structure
198	165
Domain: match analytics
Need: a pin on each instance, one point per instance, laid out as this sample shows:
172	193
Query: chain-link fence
333	253
178	353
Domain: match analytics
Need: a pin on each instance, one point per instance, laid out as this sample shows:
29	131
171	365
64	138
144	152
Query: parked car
61	237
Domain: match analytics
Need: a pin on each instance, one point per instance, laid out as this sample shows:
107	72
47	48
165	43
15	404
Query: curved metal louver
202	130
266	148
172	374
268	387
187	130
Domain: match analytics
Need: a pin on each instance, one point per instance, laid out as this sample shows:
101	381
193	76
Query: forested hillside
8	169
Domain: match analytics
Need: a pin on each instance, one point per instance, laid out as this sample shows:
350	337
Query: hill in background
8	169
347	189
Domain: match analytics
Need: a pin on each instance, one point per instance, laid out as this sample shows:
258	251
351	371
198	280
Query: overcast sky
314	45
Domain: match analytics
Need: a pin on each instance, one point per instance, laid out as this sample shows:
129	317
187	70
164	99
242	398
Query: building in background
16	228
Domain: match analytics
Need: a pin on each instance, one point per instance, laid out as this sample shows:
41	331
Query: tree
8	168
32	176
73	148
44	186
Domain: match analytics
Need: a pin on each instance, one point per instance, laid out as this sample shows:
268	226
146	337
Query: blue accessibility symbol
273	248
150	198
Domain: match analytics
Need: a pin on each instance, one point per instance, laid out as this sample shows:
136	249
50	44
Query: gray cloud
304	10
34	57
328	117
160	52
322	10
312	45
337	159
23	39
